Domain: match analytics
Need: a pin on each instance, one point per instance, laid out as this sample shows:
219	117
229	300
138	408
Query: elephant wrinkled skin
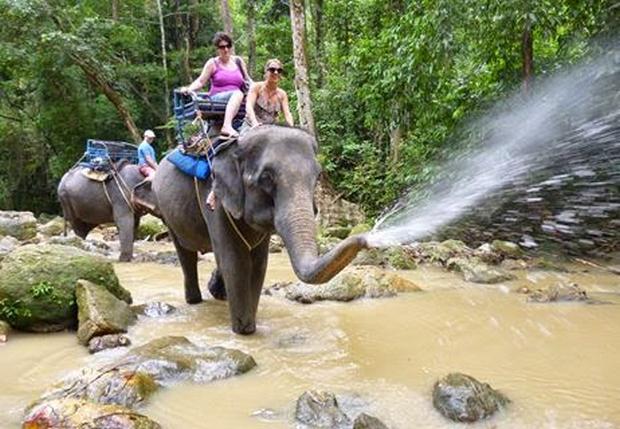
85	204
264	183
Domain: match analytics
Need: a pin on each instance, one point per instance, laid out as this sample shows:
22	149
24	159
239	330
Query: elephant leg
125	224
80	228
216	285
189	265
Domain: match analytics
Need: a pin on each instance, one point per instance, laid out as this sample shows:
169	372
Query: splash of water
572	119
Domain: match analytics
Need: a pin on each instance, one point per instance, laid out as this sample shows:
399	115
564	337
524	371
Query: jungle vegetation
390	80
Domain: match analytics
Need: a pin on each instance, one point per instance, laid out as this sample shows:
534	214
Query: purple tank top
223	80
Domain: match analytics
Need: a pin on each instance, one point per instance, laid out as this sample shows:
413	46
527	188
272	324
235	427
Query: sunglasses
275	69
223	46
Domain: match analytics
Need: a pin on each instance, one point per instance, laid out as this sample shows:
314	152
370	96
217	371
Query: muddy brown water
559	363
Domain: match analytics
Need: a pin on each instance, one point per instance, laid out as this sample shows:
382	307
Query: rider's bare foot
211	200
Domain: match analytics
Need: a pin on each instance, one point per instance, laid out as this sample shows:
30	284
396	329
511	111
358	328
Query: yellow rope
120	188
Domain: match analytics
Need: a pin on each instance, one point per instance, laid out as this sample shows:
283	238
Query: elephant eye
266	181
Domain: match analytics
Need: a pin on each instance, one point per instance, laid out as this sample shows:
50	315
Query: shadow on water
545	169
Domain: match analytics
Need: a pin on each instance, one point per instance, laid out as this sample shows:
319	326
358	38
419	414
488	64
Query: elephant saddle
97	176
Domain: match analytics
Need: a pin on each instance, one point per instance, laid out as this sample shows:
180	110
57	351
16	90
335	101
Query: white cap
149	133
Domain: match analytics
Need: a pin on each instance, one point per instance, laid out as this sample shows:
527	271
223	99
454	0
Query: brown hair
221	36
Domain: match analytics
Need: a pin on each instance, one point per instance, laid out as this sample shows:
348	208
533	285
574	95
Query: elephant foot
216	286
124	257
193	300
247	328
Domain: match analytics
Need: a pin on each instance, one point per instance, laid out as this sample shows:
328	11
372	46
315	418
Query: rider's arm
250	102
205	75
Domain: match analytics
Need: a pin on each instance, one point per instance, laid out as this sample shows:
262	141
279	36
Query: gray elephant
264	183
87	203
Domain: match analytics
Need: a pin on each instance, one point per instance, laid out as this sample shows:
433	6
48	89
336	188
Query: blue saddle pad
195	166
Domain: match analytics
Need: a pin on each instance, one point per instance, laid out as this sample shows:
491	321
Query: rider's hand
184	90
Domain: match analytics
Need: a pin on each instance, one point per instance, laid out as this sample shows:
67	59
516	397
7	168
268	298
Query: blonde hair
272	60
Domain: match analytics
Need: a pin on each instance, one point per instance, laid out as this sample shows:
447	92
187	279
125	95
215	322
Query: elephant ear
228	185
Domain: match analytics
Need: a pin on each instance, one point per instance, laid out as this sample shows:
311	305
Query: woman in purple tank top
226	74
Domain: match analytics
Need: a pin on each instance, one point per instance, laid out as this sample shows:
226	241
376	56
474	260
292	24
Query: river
557	362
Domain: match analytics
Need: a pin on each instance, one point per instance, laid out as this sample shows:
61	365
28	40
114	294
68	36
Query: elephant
88	203
264	183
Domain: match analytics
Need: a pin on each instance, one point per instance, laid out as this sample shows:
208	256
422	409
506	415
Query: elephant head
268	180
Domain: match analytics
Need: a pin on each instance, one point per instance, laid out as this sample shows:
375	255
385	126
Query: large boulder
397	257
462	398
70	413
56	226
37	285
352	283
100	312
7	245
150	227
21	225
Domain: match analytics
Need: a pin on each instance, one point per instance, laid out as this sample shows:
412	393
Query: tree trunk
527	49
99	81
227	20
164	61
250	31
194	23
115	10
317	12
304	103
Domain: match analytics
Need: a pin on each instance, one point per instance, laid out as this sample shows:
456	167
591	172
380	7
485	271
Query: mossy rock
100	312
341	232
5	328
150	226
21	225
37	285
360	228
397	257
507	248
55	226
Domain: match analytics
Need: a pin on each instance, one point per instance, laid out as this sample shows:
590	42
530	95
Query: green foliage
11	311
392	80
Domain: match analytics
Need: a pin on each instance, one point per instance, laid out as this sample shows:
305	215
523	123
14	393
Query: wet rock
352	283
171	357
546	264
462	398
37	285
90	245
513	264
319	409
275	244
105	342
100	312
476	271
55	226
7	245
4	331
21	225
77	414
153	309
169	257
507	248
150	227
134	377
558	293
397	257
433	251
488	255
114	384
364	421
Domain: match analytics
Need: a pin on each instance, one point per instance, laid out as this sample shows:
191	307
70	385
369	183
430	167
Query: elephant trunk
298	231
